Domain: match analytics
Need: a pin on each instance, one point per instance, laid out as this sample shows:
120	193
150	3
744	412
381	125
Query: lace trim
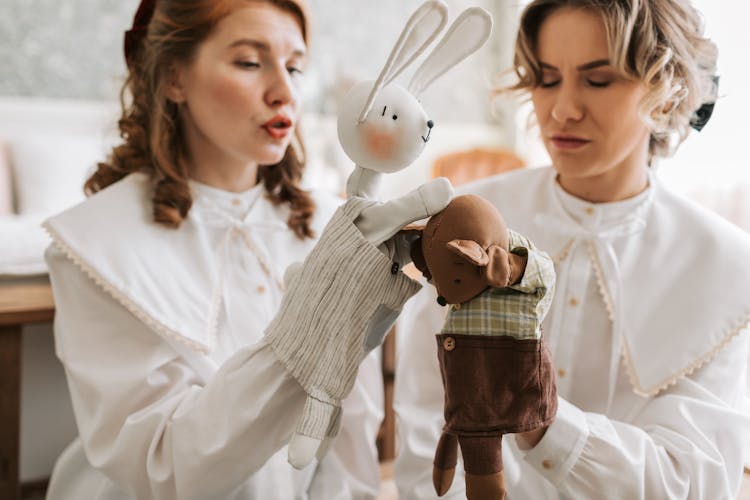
601	283
625	353
123	299
563	254
688	370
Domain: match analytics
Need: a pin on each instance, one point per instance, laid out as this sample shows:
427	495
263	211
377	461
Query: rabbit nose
430	124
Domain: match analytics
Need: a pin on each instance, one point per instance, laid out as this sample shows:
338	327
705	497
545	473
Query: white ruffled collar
673	319
235	205
593	216
144	265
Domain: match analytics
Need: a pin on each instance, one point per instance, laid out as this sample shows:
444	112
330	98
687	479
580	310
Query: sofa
47	148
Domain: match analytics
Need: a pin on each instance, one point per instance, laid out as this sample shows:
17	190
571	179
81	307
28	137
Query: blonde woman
648	328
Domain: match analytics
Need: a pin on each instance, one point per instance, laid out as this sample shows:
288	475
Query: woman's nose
281	90
567	105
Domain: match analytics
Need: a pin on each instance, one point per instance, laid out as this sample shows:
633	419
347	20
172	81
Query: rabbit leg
302	449
444	468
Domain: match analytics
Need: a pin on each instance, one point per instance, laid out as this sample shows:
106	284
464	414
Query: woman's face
240	95
588	111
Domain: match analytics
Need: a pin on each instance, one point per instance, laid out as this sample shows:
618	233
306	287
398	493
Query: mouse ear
421	29
469	250
497	272
466	35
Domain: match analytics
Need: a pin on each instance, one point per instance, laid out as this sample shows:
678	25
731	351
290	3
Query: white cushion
49	170
6	182
24	242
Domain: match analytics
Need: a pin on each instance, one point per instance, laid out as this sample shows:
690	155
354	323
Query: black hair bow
703	114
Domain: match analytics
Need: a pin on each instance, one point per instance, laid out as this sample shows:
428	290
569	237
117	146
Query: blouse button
547	464
573	302
260	289
449	343
561	372
236	202
589	210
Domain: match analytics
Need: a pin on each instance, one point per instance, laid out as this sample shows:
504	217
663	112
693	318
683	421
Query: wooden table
22	301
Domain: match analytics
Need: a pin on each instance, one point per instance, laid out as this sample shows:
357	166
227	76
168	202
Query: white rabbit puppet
383	128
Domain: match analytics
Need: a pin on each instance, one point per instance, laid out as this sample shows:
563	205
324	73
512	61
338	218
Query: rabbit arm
381	221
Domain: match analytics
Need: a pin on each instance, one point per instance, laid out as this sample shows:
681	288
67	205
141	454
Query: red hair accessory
134	36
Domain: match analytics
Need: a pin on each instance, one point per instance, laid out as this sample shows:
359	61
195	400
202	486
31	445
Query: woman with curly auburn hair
166	278
648	329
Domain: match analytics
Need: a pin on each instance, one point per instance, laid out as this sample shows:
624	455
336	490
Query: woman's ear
173	78
497	272
469	250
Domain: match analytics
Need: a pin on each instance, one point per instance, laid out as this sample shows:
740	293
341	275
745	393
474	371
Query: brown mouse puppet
496	369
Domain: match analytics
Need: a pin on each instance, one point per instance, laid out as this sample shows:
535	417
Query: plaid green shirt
516	311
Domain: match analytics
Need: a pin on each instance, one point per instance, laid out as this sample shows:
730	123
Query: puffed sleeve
687	442
150	423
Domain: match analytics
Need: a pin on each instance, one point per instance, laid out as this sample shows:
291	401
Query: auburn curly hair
150	126
659	42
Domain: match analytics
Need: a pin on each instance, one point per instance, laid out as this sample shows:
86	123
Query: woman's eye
596	83
549	83
247	64
293	70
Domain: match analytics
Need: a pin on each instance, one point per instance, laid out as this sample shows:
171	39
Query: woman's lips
278	127
568	143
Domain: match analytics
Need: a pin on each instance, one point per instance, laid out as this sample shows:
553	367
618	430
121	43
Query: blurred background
61	69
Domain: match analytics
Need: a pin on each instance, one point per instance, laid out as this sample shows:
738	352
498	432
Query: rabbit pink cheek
380	144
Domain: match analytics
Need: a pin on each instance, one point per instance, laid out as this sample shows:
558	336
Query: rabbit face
393	133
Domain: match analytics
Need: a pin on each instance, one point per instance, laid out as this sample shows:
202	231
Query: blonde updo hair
153	141
658	42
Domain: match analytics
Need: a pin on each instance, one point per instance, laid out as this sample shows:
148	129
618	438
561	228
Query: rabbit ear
466	35
421	29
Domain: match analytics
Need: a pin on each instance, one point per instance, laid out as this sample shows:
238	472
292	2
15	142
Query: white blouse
160	333
651	281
